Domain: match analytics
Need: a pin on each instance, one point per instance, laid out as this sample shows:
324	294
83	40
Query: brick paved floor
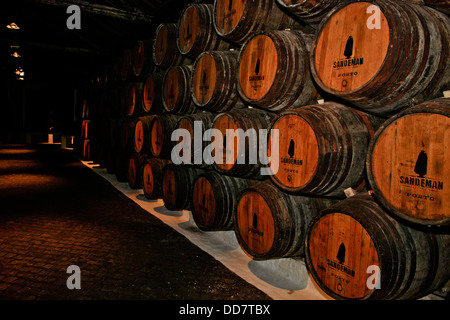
55	212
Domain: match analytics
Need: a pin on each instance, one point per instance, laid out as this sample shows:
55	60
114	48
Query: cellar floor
280	279
56	212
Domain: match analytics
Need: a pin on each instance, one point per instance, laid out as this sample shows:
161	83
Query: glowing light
13	26
16	55
20	72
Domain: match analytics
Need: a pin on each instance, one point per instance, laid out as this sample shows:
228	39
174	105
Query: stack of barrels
314	130
85	123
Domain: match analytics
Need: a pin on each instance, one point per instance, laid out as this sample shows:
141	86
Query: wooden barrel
165	49
214	200
127	134
274	72
152	93
114	72
177	186
396	75
111	103
86	151
408	163
123	99
107	75
214	81
161	129
125	67
113	133
196	32
115	99
322	149
200	122
152	177
85	109
134	99
237	20
241	159
135	168
108	81
272	224
110	161
310	11
122	160
176	93
354	243
85	129
142	57
142	134
441	5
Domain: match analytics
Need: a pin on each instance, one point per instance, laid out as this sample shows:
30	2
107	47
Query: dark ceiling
58	61
49	49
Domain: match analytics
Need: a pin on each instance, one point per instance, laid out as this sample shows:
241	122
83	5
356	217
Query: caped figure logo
255	221
204	78
291	149
258	63
421	164
341	254
348	52
188	34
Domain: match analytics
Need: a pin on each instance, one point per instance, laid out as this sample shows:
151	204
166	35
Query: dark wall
33	106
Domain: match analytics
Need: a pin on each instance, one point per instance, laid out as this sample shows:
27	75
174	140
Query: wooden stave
156	106
226	190
207	119
225	96
85	109
173	56
86	149
291	213
134	91
85	124
440	5
265	15
183	104
389	64
292	88
435	106
395	243
408	92
146	122
311	12
168	122
245	119
435	88
393	75
186	176
146	65
155	165
208	40
126	130
135	168
346	131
